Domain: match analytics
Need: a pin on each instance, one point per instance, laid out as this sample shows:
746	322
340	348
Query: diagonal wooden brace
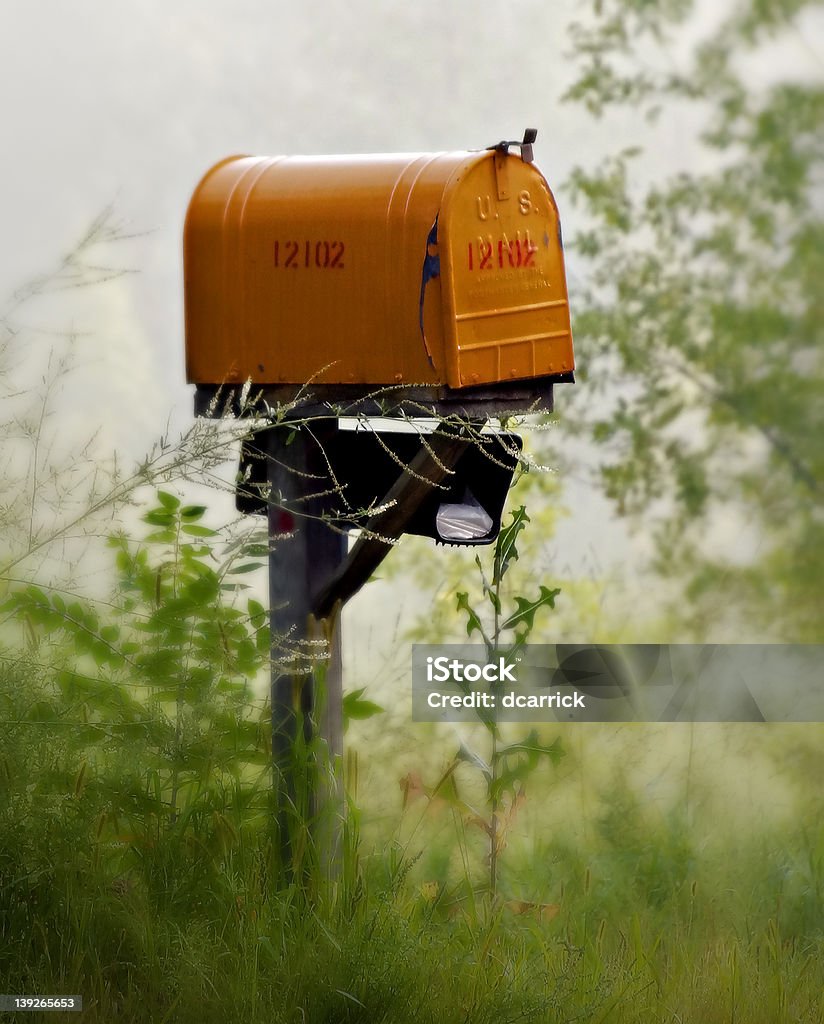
433	463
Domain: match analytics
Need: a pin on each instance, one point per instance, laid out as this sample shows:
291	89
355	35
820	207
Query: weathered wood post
310	579
306	687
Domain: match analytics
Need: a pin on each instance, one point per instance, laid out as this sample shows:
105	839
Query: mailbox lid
400	269
506	308
310	268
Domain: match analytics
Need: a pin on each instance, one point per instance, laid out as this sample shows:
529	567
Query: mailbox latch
501	153
525	145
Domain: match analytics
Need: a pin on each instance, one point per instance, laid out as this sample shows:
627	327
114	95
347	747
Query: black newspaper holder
362	466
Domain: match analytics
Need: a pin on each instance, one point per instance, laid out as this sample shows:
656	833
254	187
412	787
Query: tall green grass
643	920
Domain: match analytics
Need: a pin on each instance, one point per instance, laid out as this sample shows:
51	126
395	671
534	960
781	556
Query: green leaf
192	511
198	531
473	622
75	611
246	567
355	708
168	501
162	537
157	517
263	640
36	595
102	654
526	609
257	613
506	551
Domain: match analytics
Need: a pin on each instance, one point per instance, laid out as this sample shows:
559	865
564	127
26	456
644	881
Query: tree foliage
699	330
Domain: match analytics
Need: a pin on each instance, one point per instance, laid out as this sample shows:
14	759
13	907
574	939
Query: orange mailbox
436	274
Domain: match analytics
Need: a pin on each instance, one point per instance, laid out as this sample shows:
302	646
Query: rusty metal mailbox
440	272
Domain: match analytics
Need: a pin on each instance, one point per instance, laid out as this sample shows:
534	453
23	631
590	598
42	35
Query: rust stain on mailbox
438	269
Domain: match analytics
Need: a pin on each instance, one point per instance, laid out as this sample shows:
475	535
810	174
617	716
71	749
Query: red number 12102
323	255
488	253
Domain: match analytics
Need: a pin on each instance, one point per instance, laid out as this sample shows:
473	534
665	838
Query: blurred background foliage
701	324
